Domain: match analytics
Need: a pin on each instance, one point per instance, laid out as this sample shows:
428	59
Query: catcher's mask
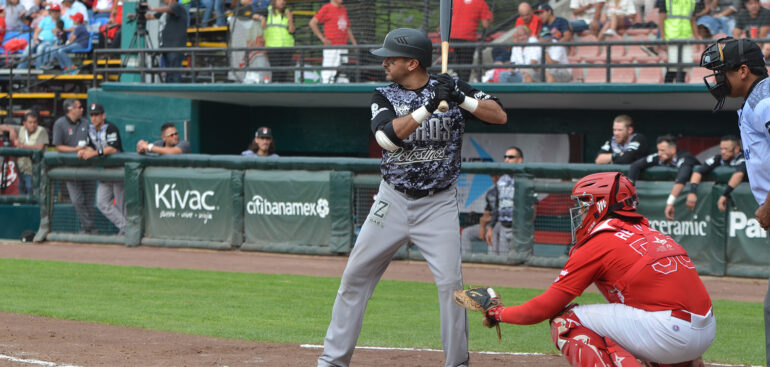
725	55
597	196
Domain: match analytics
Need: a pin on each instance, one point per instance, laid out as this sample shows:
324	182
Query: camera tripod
141	39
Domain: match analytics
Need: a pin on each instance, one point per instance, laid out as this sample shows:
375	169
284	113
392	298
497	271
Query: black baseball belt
417	194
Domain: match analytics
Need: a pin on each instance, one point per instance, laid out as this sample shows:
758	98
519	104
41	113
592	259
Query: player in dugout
658	309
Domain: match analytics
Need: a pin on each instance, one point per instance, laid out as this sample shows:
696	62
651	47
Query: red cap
55	6
77	17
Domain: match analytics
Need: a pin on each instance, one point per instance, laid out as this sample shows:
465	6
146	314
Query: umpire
417	198
739	71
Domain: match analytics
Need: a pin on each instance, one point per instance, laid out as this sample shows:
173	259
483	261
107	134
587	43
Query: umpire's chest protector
430	156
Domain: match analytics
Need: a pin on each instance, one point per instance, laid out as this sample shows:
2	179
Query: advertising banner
699	231
748	247
182	203
287	207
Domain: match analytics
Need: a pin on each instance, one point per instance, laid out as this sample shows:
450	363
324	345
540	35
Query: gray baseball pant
81	194
432	223
115	213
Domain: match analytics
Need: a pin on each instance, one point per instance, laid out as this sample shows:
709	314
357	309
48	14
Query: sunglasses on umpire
511	156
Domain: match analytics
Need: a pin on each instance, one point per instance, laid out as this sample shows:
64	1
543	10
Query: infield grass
295	309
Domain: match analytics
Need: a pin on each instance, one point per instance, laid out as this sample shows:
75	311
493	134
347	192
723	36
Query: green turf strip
293	308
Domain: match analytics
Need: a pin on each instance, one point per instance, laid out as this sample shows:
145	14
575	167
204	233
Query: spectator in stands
2	23
199	4
503	72
466	16
337	31
556	55
753	21
78	39
13	14
528	18
502	213
721	16
587	15
675	24
263	144
174	35
557	27
667	156
28	136
619	15
70	134
169	142
625	146
479	231
70	8
730	155
218	7
102	9
524	55
643	9
44	39
109	33
104	139
278	24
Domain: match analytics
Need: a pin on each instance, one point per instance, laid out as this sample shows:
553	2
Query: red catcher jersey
671	283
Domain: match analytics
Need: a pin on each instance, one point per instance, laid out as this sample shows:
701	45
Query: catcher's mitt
481	299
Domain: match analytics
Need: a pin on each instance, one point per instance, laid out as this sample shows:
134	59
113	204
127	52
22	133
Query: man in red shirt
337	31
658	309
528	18
465	23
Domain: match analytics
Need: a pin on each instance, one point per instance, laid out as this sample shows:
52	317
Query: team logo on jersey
376	110
562	274
401	110
403	156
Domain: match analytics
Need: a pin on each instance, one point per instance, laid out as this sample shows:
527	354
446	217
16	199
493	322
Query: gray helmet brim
384	52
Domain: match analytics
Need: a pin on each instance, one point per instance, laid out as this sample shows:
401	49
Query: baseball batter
658	309
417	198
739	71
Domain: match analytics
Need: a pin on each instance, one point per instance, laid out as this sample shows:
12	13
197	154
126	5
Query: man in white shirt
586	14
525	55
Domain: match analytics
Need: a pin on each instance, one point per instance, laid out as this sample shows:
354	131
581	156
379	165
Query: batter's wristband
470	104
727	191
693	188
671	199
420	114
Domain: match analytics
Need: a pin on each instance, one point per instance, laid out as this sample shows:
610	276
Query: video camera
141	10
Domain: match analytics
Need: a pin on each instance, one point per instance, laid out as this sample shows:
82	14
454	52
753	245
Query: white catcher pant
651	336
332	57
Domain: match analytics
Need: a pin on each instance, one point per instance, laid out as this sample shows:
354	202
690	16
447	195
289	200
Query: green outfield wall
316	205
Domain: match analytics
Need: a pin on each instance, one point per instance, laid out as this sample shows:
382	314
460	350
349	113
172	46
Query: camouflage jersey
505	191
429	158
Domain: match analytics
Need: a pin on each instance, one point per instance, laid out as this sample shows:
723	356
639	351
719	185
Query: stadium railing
715	240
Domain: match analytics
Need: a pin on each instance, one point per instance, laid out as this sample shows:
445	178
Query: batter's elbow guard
387	137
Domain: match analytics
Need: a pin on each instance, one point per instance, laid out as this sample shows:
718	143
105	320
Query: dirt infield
31	340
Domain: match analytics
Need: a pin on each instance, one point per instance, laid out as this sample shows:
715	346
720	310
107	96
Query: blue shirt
755	135
560	24
81	35
47	25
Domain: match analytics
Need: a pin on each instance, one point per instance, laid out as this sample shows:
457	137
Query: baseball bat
445	23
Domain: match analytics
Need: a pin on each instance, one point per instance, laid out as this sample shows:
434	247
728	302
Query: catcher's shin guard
582	347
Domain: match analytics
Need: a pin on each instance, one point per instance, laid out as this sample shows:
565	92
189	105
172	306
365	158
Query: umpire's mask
725	55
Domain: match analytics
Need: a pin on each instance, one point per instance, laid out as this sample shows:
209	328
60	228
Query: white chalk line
34	361
316	346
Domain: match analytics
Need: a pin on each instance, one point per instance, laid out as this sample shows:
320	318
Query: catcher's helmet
598	195
729	54
407	42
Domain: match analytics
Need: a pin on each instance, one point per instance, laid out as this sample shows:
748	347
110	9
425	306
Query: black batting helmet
407	42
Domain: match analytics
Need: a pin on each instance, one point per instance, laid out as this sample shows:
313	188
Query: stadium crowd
59	28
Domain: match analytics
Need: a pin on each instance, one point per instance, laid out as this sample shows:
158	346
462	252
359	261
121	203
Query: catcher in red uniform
658	310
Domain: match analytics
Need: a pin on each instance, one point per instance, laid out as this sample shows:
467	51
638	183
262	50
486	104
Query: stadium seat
589	53
650	75
623	75
697	74
596	75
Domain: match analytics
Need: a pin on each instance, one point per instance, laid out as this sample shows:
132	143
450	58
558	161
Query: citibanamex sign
262	206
